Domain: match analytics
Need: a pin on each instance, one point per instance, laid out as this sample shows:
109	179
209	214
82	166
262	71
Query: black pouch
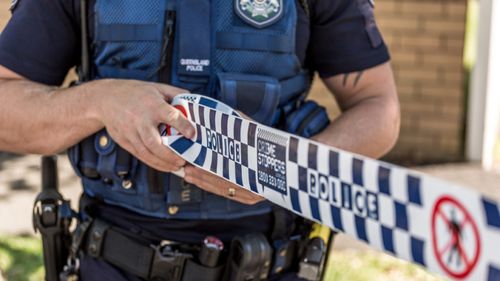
307	120
114	164
249	258
99	158
83	158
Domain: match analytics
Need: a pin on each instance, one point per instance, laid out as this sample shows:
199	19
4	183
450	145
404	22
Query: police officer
258	56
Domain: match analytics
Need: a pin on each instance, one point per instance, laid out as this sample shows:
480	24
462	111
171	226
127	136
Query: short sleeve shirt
42	40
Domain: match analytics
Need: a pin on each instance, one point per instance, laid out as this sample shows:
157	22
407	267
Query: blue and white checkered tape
441	226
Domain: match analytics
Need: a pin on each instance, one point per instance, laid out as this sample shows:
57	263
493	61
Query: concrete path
19	184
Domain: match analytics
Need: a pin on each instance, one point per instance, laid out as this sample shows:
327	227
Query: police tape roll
441	226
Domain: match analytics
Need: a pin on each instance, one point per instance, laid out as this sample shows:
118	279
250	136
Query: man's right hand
131	111
40	119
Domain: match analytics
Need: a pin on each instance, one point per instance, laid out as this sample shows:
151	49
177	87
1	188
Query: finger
152	140
219	186
131	142
153	162
243	115
149	158
168	91
173	117
209	180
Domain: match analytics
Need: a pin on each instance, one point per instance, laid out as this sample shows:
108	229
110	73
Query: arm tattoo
346	77
356	80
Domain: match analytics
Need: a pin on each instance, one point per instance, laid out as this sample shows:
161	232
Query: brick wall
4	13
426	39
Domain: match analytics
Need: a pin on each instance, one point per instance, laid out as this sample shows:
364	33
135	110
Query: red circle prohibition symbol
183	111
453	250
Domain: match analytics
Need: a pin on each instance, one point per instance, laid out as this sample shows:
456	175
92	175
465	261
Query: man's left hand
219	186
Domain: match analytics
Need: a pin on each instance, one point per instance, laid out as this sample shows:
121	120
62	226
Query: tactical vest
241	52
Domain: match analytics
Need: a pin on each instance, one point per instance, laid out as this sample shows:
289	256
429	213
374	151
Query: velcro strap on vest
127	32
255	95
293	87
138	74
253	42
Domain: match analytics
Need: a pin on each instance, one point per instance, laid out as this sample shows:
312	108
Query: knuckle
179	162
173	115
189	170
150	141
188	179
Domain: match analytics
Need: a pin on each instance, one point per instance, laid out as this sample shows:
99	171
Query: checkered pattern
492	213
358	197
215	157
381	204
351	194
493	273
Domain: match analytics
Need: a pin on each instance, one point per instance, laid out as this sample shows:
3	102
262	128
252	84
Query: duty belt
250	257
402	212
166	261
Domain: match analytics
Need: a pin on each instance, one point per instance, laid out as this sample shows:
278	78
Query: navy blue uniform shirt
41	42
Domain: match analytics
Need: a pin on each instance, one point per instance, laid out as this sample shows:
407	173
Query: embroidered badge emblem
259	13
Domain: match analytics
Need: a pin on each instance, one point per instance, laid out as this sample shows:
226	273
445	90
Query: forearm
369	123
36	118
371	128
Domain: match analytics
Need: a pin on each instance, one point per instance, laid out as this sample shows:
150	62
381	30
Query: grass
21	260
471	34
373	266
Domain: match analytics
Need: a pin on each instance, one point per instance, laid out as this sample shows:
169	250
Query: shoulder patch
13	5
259	13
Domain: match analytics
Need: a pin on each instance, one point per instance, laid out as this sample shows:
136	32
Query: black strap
283	226
128	255
118	249
84	69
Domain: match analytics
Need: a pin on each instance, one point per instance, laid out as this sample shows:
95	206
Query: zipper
165	68
155	178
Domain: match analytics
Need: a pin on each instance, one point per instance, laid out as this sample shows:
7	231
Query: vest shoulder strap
306	6
84	68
